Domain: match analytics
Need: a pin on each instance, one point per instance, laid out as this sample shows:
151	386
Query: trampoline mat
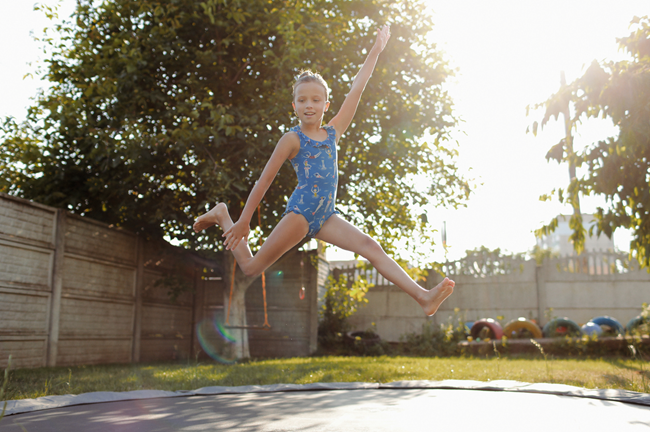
397	406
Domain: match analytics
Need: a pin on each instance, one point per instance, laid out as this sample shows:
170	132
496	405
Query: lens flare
223	331
275	279
216	340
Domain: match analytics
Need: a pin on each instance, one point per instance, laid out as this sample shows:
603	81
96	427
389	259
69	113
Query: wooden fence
75	291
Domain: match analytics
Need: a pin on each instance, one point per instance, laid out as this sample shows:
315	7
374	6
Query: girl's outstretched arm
344	117
288	145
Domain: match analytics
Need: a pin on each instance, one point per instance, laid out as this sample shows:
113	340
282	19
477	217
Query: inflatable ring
496	332
592	329
516	325
636	322
561	327
609	322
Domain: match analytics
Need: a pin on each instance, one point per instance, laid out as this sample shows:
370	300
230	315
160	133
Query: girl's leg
337	231
290	230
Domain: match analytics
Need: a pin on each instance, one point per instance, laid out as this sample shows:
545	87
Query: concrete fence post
313	301
198	305
137	307
57	287
538	291
542	280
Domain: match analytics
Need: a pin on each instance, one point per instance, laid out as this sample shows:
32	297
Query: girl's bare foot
211	218
434	297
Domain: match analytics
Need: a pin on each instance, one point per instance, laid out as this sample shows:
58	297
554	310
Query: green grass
590	373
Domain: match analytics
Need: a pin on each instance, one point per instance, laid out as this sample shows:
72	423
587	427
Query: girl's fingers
383	34
231	242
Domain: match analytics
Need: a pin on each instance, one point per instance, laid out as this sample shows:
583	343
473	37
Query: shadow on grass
190	375
638	369
642	369
38	382
616	380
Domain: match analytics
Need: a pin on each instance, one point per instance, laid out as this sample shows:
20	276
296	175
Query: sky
507	54
510	55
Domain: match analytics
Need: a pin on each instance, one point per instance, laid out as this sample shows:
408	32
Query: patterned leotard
317	170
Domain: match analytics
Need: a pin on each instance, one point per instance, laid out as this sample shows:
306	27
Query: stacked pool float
525	332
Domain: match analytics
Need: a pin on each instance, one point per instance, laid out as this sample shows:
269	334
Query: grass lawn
627	374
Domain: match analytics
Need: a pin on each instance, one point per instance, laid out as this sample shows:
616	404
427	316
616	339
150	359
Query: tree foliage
484	262
158	109
617	168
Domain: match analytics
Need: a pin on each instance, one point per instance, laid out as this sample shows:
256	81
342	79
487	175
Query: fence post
57	287
198	309
137	307
538	277
313	299
336	272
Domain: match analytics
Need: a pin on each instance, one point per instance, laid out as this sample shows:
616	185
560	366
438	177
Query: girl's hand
383	35
235	234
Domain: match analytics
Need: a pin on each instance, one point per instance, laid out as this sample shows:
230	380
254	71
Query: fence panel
76	291
593	284
26	259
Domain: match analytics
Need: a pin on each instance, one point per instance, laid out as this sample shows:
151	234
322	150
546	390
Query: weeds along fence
75	291
578	287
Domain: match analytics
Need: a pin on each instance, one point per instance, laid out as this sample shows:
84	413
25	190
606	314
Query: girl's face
310	103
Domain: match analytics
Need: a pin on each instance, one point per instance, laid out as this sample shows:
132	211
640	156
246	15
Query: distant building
559	241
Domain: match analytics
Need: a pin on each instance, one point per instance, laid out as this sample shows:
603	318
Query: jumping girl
311	149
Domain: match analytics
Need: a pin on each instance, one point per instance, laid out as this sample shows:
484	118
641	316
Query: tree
560	103
616	167
158	109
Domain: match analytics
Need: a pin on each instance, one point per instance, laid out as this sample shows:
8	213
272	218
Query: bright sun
509	54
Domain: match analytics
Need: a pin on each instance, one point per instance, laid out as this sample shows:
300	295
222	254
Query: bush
342	299
643	324
366	343
436	340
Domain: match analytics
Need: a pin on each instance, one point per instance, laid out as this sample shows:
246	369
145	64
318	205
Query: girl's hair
307	76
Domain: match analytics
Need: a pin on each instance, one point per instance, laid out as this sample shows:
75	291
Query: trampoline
451	405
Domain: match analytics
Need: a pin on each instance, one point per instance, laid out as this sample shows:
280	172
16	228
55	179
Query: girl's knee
249	269
370	247
252	271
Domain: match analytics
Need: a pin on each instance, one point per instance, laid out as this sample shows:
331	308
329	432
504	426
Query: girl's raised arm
344	117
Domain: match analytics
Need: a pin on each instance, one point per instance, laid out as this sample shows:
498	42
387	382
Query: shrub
434	340
342	299
643	327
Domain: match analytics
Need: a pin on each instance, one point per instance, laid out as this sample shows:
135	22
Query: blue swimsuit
317	170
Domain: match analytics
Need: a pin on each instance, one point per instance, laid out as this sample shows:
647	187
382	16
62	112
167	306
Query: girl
311	149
